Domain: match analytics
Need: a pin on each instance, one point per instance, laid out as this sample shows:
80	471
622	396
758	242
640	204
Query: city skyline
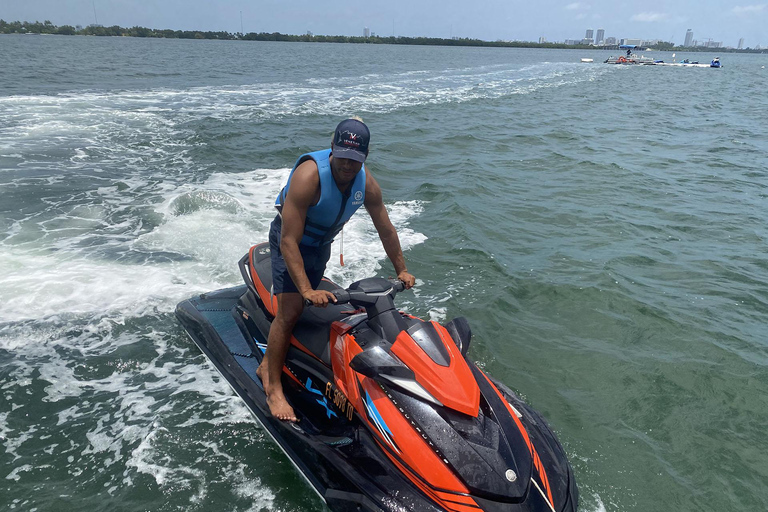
601	40
490	20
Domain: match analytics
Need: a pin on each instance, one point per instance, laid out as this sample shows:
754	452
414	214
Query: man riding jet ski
325	188
386	412
392	414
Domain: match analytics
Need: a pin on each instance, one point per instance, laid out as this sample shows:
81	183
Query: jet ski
393	415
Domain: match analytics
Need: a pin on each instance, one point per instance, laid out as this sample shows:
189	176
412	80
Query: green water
602	228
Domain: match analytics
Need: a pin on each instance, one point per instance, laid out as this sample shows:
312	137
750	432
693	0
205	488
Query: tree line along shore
46	27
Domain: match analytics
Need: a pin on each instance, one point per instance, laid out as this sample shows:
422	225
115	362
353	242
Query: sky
719	20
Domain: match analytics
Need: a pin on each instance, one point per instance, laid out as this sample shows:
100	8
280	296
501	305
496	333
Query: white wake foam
89	116
207	239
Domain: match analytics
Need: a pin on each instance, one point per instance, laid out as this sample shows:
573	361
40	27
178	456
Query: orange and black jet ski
393	415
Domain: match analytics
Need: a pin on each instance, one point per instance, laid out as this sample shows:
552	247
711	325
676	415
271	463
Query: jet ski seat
313	330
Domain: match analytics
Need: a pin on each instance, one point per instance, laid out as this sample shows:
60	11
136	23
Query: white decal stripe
543	495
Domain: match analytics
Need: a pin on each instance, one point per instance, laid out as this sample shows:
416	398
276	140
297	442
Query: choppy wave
204	230
85	115
83	327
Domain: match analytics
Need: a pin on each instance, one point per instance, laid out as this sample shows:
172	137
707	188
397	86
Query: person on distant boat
323	190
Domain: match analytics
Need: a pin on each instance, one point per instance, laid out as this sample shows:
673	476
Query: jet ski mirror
377	361
378	364
461	333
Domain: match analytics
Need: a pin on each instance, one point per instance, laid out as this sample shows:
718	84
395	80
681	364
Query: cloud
650	16
747	9
576	6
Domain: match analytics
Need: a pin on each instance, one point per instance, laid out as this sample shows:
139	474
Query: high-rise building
688	38
542	40
600	39
741	43
590	34
366	32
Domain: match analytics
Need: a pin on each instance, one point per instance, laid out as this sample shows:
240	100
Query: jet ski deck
332	448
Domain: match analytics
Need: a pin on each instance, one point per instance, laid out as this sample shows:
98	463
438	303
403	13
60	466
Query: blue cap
351	140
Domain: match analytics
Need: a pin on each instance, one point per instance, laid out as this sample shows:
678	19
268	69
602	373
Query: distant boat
629	59
632	58
587	60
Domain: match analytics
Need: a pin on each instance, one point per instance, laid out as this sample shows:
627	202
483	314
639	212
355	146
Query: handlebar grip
342	297
397	285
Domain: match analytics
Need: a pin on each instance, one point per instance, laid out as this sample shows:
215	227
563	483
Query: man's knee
289	308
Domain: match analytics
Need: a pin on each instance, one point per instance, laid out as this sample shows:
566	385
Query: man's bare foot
278	405
280	408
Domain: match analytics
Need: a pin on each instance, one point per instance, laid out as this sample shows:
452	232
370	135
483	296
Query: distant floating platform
686	65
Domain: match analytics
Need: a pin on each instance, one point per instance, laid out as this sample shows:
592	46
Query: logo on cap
347	138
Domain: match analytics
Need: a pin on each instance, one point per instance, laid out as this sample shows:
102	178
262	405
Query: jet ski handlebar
366	291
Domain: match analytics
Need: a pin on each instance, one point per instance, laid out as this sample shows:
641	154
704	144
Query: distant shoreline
46	27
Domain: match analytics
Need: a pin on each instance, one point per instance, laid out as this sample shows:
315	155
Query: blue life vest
333	209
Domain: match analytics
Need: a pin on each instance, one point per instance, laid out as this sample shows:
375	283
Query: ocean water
602	228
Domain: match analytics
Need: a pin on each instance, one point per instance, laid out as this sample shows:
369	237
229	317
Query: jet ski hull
339	445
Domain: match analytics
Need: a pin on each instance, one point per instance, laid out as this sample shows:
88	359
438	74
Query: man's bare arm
374	203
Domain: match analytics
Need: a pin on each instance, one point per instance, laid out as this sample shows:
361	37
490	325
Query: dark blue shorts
315	259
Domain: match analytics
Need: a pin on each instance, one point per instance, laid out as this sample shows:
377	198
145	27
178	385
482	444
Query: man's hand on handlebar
407	279
319	298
